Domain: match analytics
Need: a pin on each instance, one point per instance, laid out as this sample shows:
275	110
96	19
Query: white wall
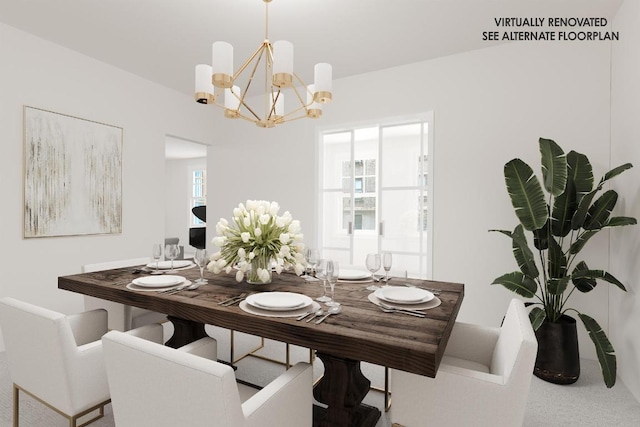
177	184
38	73
624	308
489	106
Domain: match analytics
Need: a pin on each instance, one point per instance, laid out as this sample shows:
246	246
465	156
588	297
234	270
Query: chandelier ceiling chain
217	83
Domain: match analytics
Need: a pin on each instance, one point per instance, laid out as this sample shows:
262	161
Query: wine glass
157	254
373	265
321	273
333	271
386	264
172	251
201	258
312	256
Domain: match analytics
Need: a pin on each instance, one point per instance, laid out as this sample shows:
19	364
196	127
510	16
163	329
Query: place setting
404	300
278	304
160	284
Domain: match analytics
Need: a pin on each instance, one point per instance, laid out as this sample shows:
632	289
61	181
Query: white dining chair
483	378
154	385
57	359
121	317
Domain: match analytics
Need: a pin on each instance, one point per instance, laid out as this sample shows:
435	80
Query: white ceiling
163	40
178	149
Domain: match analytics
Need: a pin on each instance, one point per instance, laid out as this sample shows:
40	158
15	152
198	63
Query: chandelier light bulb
322	74
204	88
282	63
222	64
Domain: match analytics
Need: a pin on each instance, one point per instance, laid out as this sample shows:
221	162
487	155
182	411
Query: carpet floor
586	403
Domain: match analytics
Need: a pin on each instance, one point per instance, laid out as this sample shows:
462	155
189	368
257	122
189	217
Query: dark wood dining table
361	332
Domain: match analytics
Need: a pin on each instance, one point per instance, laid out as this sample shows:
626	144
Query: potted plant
561	218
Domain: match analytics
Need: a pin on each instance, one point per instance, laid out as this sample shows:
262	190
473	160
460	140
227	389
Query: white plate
278	301
403	295
314	306
346	274
166	265
157	281
433	303
132	286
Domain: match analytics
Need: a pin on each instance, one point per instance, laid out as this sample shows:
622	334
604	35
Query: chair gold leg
73	419
16	406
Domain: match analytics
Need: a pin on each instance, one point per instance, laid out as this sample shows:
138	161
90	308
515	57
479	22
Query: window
198	193
374	193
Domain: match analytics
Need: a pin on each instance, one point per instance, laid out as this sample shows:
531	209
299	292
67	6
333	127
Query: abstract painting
72	175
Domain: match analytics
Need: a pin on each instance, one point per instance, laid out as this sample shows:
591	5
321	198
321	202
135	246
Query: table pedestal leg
342	389
185	332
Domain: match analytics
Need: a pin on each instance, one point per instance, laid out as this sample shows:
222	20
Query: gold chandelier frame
219	88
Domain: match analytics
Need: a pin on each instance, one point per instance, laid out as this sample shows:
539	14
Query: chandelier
218	84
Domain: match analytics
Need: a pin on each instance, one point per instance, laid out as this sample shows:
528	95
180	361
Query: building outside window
374	193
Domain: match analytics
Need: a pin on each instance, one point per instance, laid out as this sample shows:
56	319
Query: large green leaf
583	207
584	284
599	212
541	237
619	221
598	274
581	173
614	172
557	286
557	260
564	207
526	194
604	349
522	253
554	166
518	283
537	316
581	241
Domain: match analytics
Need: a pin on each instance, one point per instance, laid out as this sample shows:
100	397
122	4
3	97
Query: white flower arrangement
256	239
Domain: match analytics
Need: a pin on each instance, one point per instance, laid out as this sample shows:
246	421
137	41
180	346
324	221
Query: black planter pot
558	360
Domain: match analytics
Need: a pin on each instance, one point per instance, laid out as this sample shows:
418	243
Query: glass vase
258	264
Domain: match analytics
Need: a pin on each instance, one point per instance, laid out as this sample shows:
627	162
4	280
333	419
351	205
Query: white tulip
237	212
247	221
298	268
215	256
257	232
242	253
279	268
287	218
294	227
245	237
274	208
252	255
284	251
219	241
265	218
239	275
221	263
252	205
280	222
227	269
285	238
264	275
